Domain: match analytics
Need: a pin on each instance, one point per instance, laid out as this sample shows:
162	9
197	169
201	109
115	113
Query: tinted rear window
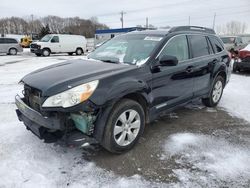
228	40
7	41
199	45
12	41
217	46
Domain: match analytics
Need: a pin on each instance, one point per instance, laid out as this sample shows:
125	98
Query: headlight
72	96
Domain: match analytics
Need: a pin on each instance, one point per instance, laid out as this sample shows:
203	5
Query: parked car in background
242	61
59	43
233	43
10	46
127	82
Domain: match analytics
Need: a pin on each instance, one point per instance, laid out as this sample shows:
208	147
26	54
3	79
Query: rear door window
199	45
10	41
1	40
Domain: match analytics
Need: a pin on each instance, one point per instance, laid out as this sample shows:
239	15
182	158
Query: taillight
243	54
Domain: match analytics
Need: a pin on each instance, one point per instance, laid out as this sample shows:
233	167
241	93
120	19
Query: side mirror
168	60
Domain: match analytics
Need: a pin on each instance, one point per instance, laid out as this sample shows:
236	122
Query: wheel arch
223	75
12	47
80	48
141	100
47	48
101	121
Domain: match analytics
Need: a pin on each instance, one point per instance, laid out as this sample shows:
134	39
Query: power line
193	15
147	8
202	18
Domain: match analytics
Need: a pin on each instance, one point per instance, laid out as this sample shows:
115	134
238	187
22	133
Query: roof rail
192	28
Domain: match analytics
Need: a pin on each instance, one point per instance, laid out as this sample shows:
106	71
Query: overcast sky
159	12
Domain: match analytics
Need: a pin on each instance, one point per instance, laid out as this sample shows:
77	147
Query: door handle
189	69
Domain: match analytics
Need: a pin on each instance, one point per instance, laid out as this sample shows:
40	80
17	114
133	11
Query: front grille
32	97
34	46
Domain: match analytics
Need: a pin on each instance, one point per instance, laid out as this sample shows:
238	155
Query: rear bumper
35	122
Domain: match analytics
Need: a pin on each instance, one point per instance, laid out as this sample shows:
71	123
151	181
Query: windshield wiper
109	61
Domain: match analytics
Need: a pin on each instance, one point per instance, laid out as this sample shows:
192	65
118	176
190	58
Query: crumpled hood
59	77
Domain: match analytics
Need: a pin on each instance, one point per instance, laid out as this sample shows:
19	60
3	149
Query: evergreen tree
44	31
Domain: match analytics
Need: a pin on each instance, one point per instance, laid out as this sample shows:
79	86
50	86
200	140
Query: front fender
118	90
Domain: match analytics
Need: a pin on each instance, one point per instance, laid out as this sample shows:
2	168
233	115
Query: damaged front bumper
51	128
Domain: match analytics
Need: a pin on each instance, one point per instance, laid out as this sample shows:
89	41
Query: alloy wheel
217	91
127	127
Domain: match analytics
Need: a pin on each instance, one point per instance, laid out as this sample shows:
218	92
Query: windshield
46	38
228	40
134	49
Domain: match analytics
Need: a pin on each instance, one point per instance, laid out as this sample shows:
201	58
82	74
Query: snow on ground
207	160
25	161
236	97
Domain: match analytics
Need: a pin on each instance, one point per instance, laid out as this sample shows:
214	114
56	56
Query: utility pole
189	20
146	22
122	14
214	20
32	18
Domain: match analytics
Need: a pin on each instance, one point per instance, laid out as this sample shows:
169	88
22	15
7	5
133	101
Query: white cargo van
59	43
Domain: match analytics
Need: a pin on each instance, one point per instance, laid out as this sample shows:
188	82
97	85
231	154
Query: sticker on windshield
153	38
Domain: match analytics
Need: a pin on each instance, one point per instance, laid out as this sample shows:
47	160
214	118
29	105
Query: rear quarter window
217	46
199	45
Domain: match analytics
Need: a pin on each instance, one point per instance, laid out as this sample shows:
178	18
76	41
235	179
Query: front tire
215	93
46	52
124	127
38	55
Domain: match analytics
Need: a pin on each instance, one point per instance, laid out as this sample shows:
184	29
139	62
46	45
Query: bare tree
76	25
232	28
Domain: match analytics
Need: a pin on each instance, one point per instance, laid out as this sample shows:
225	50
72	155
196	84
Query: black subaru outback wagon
124	84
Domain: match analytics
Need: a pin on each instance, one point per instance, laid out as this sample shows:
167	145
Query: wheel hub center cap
126	127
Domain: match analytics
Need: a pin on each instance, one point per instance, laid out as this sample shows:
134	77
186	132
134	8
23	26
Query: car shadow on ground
147	157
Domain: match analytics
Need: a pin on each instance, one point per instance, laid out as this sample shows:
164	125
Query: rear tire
70	53
79	51
124	127
12	51
215	93
46	52
235	68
